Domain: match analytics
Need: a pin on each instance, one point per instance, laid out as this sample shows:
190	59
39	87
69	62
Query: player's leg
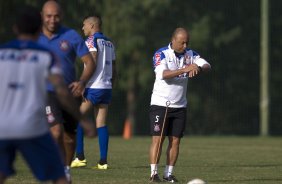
42	156
100	98
69	137
55	120
70	126
101	111
176	129
172	155
172	150
79	151
155	154
80	160
85	108
69	145
57	133
7	157
156	115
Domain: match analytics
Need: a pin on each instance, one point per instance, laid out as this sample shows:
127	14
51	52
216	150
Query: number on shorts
157	118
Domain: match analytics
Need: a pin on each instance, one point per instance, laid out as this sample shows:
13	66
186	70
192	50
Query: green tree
226	33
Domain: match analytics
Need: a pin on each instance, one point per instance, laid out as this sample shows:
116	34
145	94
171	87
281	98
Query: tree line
225	33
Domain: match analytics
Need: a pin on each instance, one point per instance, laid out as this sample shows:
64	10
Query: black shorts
175	121
56	114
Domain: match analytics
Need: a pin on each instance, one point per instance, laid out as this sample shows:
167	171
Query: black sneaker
171	179
155	178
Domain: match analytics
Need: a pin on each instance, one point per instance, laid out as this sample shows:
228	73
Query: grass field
217	160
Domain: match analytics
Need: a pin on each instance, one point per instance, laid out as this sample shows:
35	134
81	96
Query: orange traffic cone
127	130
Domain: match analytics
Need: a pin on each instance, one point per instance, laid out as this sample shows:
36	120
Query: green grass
218	160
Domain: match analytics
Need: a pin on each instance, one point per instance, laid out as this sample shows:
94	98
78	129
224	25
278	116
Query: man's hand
77	88
192	70
193	73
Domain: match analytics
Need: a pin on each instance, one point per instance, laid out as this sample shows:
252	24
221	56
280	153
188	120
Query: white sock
67	167
168	170
67	173
154	169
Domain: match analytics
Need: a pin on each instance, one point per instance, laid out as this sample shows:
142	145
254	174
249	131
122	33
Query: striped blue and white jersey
101	79
173	89
24	68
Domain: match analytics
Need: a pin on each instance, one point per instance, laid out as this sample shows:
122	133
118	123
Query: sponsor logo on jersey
89	45
90	42
19	56
64	45
157	59
107	43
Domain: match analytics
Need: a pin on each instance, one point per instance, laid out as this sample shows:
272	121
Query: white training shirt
174	89
24	67
101	79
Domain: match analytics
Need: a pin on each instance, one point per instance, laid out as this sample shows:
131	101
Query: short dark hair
28	20
97	17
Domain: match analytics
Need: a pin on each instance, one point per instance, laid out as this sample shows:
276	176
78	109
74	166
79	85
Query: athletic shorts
98	96
56	114
41	154
175	121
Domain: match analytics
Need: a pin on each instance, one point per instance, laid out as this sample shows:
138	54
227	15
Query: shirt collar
179	55
56	34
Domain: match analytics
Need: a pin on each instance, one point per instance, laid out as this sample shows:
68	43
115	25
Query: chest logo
64	45
187	59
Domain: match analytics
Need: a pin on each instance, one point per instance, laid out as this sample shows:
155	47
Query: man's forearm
89	68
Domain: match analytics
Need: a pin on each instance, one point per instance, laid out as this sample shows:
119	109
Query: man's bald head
51	4
180	31
179	40
51	16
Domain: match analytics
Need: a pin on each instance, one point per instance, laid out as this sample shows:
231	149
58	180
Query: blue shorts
41	154
98	96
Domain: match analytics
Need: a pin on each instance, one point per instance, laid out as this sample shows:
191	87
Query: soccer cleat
155	178
170	179
102	166
78	163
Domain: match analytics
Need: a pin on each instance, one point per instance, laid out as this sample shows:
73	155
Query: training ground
218	160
